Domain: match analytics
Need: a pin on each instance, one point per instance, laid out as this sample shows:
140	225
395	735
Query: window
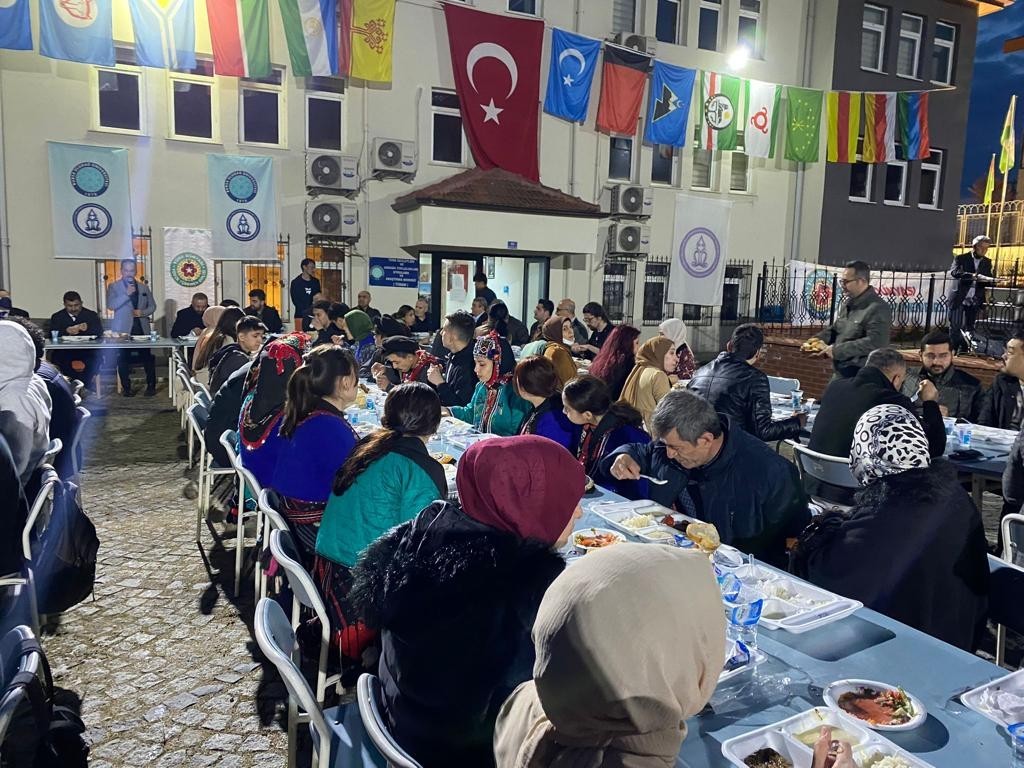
663	164
861	177
872	38
524	6
943	53
446	143
620	158
194	104
262	111
708	19
896	180
117	99
749	21
624	16
931	180
323	121
739	172
908	55
702	176
656	308
666	27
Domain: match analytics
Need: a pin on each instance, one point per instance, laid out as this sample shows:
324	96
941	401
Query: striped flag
843	125
165	33
240	33
1008	140
344	37
879	127
913	114
310	28
990	184
720	114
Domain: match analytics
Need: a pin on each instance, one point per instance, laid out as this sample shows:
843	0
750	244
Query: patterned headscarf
490	346
888	439
266	385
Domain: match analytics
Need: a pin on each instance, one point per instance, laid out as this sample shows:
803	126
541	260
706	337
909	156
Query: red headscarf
528	485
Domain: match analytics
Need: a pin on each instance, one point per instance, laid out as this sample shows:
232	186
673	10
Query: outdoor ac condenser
629	239
394	156
637	42
333	219
627	200
331	173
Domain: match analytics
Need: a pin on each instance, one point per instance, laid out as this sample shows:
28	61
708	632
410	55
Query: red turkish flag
496	62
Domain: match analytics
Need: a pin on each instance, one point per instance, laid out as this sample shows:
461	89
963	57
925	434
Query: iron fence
1006	222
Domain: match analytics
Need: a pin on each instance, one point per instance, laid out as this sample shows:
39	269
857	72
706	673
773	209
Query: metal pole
928	307
835	293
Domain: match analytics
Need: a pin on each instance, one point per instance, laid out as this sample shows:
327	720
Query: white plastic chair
782	386
208	474
16	661
1013	553
831	470
368	694
186	394
52	451
84	414
271	520
245	479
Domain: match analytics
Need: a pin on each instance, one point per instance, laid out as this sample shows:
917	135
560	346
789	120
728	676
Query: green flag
990	185
720	119
803	124
1008	140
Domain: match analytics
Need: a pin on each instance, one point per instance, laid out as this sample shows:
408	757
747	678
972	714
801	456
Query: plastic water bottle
1016	732
742	615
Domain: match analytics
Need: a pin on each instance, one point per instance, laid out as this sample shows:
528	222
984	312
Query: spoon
654	480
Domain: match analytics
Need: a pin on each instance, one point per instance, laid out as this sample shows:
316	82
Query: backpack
65	566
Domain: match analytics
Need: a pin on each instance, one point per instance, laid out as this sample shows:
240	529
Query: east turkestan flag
15	25
570	75
240	33
165	33
373	39
762	123
720	113
311	29
77	30
668	113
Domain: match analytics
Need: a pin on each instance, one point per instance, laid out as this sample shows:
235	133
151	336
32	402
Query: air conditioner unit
333	219
627	200
393	156
641	43
629	239
332	173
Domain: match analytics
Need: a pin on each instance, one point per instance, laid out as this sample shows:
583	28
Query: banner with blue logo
90	202
699	250
669	109
570	75
15	26
165	33
77	30
394	273
243	207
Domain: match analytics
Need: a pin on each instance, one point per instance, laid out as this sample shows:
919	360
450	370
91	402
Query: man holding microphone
133	305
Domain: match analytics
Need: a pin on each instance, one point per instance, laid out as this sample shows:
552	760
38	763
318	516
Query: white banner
243	207
188	267
699	243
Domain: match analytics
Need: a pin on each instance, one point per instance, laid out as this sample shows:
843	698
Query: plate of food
443	458
140	337
1001	700
813	345
877	705
595	538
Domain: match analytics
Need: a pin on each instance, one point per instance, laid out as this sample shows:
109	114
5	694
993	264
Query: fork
654	480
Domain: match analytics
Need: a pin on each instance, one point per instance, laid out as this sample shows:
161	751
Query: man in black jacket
268	315
541	314
877	383
959	393
190	319
455	384
973	270
305	286
1003	405
718	473
76	320
740	391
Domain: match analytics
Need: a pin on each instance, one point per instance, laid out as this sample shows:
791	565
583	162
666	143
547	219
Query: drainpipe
5	238
801	171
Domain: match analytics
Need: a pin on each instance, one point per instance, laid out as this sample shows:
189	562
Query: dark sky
996	78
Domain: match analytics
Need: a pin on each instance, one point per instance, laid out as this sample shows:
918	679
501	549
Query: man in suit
973	270
133	306
258	307
75	320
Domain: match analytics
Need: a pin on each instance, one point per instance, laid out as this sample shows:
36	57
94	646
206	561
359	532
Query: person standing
972	270
267	314
304	287
363	302
75	320
188	321
482	291
863	325
133	306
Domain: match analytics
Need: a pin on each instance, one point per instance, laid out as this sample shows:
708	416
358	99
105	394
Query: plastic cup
1016	732
797	398
963	436
55	336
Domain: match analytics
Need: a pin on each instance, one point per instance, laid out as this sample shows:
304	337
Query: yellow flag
990	185
373	31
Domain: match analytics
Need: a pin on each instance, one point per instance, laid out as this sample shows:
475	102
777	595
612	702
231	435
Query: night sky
996	78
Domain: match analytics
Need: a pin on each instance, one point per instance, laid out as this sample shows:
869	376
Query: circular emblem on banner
377	273
243	224
719	111
89	179
818	294
7	3
188	270
77	13
241	186
700	252
312	27
92	221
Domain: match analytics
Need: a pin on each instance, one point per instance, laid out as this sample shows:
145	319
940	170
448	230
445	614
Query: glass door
537	270
454	285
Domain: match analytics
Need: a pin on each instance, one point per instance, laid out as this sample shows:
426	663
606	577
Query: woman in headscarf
359	332
913	546
205	346
615	360
648	382
558	334
454	593
495	406
24	401
536	381
598	697
674	330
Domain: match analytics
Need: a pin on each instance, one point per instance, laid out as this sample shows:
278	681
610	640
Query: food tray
795	605
839	687
465	440
976	699
616	513
658	534
868	747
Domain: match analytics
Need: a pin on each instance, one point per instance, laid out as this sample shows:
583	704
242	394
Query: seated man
249	334
76	320
404	361
455	378
718	473
190	319
877	383
258	307
336	314
479	310
7	309
320	323
740	391
1003	404
959	393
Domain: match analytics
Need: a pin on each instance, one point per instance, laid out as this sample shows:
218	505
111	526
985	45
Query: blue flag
243	207
77	30
15	28
165	35
669	110
570	75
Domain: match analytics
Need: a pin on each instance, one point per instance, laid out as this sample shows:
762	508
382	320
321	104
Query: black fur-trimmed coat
455	601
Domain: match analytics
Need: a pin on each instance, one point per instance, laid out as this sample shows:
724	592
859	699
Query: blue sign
394	273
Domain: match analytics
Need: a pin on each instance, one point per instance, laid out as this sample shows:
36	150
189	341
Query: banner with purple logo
699	246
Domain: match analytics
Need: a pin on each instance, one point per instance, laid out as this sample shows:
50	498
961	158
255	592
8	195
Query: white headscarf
675	330
888	439
24	402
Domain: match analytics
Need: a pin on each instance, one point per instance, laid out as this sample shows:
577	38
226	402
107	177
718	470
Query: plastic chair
336	732
16	662
305	593
198	386
272	520
84	414
52	451
830	470
187	394
781	386
208	474
245	479
368	694
202	396
1013	553
197	415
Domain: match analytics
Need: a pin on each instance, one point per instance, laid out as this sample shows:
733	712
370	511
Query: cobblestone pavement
164	662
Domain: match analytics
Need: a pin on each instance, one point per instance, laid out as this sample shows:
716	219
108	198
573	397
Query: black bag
65	567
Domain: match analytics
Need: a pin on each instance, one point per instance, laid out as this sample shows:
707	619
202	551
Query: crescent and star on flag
499	53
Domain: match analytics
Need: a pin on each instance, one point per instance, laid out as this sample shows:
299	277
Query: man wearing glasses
862	325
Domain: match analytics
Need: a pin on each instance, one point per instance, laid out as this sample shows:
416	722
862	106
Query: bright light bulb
738	58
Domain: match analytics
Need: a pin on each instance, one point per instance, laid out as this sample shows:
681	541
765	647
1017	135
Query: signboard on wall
394	273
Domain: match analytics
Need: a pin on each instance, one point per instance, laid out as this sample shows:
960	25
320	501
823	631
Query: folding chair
187	394
272	520
1013	553
17	661
833	471
198	386
84	414
245	479
368	694
202	396
198	416
52	451
782	386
